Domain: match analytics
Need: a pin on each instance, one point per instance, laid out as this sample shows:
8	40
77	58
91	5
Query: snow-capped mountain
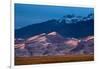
74	19
67	26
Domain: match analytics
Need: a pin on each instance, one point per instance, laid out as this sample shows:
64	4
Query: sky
27	14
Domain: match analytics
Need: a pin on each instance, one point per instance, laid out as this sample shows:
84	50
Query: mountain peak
35	37
53	33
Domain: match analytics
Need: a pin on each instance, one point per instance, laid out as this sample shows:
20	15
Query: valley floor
52	59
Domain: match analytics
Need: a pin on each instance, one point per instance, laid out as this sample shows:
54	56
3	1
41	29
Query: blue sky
27	14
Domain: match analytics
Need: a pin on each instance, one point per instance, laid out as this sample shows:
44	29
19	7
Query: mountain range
66	26
53	44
